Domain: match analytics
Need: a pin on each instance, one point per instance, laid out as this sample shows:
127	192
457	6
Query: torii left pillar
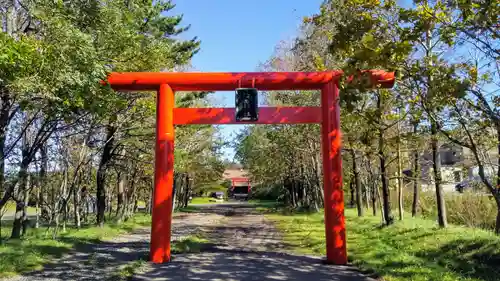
164	176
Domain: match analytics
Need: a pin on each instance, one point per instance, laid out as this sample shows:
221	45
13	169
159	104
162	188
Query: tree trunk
54	214
76	206
365	195
294	198
101	172
26	198
319	188
5	108
292	192
121	198
400	175
296	187
178	188
497	190
22	192
383	173
149	203
436	165
37	205
56	225
187	190
357	184
382	214
131	195
2	162
42	190
314	186
64	192
416	184
85	209
109	204
18	218
436	155
352	202
385	193
65	216
303	184
189	183
365	183
415	175
497	224
372	185
498	161
18	226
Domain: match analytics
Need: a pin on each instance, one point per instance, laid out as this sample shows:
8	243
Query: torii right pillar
336	248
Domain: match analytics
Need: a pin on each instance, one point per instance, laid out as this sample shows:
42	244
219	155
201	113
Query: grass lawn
10	209
204	200
266	206
188	209
191	244
36	249
414	249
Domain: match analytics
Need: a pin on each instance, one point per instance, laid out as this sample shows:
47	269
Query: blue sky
238	35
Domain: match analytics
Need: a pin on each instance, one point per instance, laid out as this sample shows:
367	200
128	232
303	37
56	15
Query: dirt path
243	246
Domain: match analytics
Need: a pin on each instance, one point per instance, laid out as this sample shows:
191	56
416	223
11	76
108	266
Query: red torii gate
235	180
328	115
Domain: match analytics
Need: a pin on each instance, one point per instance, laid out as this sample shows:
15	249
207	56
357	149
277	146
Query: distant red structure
240	188
237	176
235	181
328	115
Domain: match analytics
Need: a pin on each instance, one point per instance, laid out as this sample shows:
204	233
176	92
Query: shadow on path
220	264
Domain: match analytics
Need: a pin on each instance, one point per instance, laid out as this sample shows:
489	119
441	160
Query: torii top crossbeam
219	81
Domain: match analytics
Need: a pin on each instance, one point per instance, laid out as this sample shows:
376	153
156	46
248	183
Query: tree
40	91
78	134
363	36
129	37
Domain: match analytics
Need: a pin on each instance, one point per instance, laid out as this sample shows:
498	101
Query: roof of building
234	166
234	173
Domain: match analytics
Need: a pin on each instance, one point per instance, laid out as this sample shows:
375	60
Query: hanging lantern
247	108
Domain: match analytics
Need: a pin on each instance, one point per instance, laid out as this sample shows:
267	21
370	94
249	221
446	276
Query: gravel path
243	246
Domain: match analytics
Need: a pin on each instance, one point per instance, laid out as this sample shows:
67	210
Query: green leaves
16	57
